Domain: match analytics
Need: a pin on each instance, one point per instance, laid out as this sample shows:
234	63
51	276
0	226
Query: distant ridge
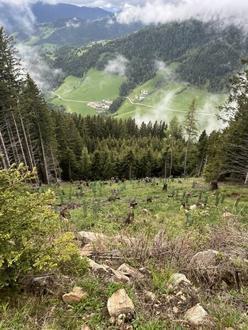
46	13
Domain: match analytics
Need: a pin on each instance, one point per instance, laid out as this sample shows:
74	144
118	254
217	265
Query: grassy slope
75	93
225	306
167	98
170	98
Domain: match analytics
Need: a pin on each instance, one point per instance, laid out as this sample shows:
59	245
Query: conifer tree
190	128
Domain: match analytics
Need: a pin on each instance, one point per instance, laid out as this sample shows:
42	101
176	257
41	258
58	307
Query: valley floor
161	98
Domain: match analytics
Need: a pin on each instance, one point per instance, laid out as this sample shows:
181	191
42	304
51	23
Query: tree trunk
201	167
31	165
165	168
19	140
12	143
246	179
54	166
3	159
171	162
186	158
31	149
43	156
130	171
5	153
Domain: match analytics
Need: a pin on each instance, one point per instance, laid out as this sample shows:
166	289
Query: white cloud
117	66
19	13
162	111
73	23
38	69
160	11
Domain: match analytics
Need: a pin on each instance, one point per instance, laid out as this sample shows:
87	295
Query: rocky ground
156	258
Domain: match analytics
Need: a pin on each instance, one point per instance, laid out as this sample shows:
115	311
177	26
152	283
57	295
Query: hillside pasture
167	98
75	93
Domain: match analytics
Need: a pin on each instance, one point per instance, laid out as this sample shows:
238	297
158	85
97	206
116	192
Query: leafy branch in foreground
32	237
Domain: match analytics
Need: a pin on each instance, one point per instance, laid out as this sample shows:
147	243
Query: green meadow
75	93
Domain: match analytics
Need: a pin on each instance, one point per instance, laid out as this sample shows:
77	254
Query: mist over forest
123	164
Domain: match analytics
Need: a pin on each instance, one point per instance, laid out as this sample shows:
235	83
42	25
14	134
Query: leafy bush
32	239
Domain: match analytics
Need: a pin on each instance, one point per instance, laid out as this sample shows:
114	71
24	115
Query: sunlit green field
168	98
165	98
75	93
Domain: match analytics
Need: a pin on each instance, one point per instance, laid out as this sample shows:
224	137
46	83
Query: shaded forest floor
157	232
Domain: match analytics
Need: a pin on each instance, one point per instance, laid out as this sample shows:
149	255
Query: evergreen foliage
32	238
228	151
69	147
206	54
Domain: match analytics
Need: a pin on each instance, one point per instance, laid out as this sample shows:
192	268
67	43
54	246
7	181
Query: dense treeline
78	32
69	147
99	148
228	150
206	54
26	130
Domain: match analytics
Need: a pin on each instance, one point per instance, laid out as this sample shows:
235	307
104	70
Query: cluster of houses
143	94
100	106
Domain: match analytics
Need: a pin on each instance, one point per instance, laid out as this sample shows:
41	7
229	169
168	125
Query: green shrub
32	239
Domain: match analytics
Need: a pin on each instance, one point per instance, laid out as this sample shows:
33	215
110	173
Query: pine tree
40	130
10	80
202	147
235	111
190	128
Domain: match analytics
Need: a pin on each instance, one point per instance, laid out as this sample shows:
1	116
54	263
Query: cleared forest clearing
146	237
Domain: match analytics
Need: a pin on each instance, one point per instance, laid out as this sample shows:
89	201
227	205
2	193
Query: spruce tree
190	128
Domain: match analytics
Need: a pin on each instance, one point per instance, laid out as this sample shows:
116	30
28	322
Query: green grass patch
167	98
75	93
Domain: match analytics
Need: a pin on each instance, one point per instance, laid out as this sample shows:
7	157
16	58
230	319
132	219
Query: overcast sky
162	11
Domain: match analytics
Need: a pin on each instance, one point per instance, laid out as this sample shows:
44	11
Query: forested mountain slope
207	55
77	32
61	24
45	13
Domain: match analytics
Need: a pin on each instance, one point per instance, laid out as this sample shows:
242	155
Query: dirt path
70	100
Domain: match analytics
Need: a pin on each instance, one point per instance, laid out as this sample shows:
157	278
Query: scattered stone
175	310
144	271
145	211
120	303
97	268
112	320
131	272
228	216
204	259
75	296
214	268
85	327
87	237
149	296
114	275
121	319
87	250
182	295
119	277
196	315
177	279
41	284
